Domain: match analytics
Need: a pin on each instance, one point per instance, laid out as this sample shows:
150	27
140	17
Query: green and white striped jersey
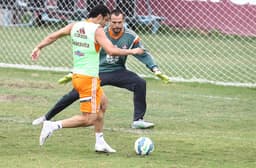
129	39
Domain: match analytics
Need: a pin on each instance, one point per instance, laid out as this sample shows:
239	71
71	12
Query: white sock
99	138
57	125
44	118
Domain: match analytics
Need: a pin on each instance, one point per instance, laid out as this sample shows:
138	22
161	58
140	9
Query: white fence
211	41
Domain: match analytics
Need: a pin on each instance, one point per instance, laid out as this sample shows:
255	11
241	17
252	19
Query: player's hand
35	54
138	51
65	79
160	75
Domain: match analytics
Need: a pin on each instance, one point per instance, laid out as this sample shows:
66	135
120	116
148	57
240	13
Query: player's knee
141	83
103	103
88	119
100	116
70	97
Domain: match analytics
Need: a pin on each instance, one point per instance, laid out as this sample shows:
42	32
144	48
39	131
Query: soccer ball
143	146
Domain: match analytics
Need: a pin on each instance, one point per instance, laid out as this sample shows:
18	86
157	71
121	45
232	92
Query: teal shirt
112	63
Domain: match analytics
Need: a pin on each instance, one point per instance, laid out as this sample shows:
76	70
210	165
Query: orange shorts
89	91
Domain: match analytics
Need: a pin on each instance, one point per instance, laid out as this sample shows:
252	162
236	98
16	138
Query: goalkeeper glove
160	75
65	79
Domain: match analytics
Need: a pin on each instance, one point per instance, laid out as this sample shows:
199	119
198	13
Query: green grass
197	125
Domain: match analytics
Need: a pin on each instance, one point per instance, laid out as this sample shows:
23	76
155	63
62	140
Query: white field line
173	79
203	96
149	132
35	67
13	119
197	80
212	97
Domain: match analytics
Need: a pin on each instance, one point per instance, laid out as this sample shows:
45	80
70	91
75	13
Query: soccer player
113	72
87	37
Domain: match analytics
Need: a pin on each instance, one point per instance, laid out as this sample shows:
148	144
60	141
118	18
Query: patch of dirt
7	98
12	98
25	84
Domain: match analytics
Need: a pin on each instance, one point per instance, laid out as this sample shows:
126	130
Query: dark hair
117	12
99	10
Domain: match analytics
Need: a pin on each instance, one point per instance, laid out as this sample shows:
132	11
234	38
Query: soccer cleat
65	79
141	124
104	148
39	120
46	132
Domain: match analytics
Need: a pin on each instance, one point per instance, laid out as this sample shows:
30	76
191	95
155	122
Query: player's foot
39	120
46	132
104	148
141	124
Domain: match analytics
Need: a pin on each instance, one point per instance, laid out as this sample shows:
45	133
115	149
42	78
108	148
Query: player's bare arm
102	39
50	39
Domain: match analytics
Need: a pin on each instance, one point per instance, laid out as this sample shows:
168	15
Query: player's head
116	21
100	11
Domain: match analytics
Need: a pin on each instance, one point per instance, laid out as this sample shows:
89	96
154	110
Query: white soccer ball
143	146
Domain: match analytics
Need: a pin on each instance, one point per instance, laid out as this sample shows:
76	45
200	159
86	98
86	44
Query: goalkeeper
113	72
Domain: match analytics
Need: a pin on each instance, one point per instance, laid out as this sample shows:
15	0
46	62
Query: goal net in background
211	41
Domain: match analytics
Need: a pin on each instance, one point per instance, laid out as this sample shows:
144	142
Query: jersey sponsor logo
81	33
86	45
112	59
79	53
124	47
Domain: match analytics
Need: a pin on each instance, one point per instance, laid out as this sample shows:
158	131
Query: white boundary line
133	131
173	79
35	67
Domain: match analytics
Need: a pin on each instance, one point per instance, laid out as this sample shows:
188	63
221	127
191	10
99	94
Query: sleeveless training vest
84	49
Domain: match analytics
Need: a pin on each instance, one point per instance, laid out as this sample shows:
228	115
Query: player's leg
131	81
101	145
83	120
90	95
100	120
63	103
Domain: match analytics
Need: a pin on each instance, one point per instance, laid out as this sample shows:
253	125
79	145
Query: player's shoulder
130	32
78	24
106	29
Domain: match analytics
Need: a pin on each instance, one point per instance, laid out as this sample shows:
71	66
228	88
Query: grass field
197	125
